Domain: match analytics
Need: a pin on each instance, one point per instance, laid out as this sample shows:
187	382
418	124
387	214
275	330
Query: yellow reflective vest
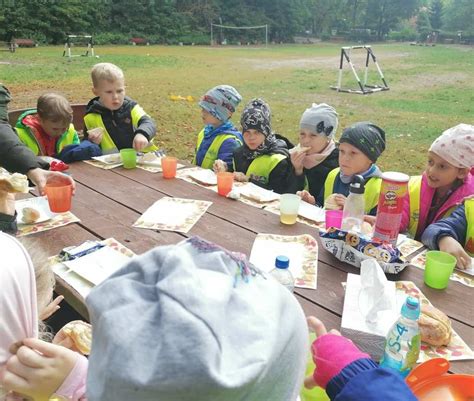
94	120
262	166
469	210
211	154
371	193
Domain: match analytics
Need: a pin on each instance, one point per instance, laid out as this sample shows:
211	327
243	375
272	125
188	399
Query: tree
423	25
436	14
459	15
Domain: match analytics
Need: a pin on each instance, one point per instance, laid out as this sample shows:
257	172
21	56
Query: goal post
235	28
84	39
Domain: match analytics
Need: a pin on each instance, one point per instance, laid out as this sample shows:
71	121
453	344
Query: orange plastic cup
59	196
169	165
225	181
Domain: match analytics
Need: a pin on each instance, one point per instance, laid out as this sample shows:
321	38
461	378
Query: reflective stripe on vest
414	192
94	120
469	211
28	138
371	193
211	155
261	167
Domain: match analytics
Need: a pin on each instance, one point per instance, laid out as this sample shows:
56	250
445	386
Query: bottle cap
411	308
282	262
357	185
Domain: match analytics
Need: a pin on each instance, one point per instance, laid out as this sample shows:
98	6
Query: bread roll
81	334
331	204
299	148
13	182
30	215
435	326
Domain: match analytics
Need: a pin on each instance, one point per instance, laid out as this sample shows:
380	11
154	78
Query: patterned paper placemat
173	214
457	349
101	165
58	220
302	250
275	209
458	275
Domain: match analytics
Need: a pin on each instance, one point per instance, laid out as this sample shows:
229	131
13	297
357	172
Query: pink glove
331	354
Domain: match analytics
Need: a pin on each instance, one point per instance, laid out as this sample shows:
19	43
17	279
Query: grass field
432	88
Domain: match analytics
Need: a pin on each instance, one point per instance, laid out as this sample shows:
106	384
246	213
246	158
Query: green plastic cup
438	268
129	158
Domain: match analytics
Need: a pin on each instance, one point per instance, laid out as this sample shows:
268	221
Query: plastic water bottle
402	346
354	207
282	274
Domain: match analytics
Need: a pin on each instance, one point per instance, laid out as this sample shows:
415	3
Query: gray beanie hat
320	119
194	322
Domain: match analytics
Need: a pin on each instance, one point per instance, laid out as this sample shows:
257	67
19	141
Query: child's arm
146	126
281	177
226	152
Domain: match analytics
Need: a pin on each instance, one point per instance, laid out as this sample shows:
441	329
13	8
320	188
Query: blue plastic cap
411	308
282	262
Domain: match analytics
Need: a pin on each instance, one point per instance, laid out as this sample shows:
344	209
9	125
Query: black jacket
118	123
281	178
317	175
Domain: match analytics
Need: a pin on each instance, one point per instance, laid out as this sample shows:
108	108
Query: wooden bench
78	111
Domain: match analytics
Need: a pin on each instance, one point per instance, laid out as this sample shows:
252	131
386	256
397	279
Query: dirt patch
416	82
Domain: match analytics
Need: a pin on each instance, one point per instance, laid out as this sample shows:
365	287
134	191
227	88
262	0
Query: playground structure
71	40
8	46
238	28
364	88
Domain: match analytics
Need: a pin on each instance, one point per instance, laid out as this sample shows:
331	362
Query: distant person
263	159
124	123
454	234
219	138
447	180
48	130
359	147
317	153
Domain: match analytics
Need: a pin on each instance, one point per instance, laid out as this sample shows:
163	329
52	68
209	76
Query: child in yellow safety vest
47	130
446	182
123	123
359	148
454	234
219	138
263	159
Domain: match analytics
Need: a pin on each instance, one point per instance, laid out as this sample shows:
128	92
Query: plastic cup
438	268
169	165
129	158
59	195
333	218
289	206
225	181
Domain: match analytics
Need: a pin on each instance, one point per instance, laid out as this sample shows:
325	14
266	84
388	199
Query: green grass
431	88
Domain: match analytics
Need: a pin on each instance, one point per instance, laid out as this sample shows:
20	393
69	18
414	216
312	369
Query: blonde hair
106	72
54	107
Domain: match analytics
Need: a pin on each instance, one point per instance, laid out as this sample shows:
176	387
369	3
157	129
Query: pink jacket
426	194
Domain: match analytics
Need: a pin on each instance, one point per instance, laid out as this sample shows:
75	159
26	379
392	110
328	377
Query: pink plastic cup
333	218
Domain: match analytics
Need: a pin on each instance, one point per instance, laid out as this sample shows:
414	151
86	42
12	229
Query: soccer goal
364	88
83	41
237	34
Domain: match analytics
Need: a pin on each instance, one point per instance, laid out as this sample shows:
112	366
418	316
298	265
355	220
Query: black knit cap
367	137
4	100
257	115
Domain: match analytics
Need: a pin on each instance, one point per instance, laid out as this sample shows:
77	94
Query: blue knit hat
221	101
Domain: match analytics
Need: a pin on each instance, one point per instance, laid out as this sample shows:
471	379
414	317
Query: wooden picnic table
108	202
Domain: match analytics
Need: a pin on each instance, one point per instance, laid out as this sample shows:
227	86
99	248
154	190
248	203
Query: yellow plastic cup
438	268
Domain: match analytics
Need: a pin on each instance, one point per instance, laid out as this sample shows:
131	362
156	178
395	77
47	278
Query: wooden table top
108	202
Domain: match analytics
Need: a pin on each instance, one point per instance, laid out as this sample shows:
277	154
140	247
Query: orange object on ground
431	381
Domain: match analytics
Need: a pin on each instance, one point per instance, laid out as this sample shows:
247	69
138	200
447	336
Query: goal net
239	35
83	44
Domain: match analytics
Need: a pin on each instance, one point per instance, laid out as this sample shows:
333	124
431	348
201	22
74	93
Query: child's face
111	93
209	119
253	138
54	128
352	160
440	173
316	142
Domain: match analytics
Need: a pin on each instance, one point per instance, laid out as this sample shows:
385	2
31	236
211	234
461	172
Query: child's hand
340	200
38	369
39	177
140	142
51	308
307	197
240	177
219	166
95	135
451	246
297	159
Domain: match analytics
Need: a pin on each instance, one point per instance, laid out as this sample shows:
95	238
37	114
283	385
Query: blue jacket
455	225
364	380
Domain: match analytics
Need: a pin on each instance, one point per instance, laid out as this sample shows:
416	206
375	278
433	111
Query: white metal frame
90	46
239	27
364	88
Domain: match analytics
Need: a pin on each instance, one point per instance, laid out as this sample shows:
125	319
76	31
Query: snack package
353	248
